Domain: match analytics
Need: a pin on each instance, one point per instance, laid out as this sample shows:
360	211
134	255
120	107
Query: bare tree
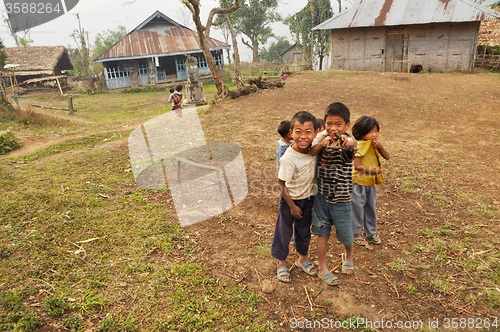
20	41
203	35
184	16
236	54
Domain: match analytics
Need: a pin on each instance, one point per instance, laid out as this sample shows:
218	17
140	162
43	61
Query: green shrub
8	143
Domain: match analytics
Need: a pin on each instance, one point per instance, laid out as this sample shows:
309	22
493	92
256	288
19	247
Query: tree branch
245	43
216	11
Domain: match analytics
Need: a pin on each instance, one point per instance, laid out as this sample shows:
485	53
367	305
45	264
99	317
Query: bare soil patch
438	209
441	131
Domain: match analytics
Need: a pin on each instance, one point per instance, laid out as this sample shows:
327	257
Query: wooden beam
53	108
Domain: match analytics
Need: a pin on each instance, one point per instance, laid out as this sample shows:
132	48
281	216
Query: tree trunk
254	47
255	50
3	94
321	62
236	53
340	5
203	35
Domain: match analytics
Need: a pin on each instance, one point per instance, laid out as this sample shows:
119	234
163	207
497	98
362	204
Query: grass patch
441	285
398	265
33	123
74	144
141	258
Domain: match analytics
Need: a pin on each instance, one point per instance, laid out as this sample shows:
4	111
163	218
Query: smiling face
303	135
335	124
371	135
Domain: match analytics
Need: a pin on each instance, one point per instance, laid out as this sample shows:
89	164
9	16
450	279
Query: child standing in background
284	142
366	174
321	125
177	97
170	97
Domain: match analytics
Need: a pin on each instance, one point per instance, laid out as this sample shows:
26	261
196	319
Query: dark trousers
287	225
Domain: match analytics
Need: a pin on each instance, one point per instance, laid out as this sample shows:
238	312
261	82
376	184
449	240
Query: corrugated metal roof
161	37
374	13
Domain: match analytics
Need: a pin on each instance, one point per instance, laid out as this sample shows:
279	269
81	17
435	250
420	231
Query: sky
97	16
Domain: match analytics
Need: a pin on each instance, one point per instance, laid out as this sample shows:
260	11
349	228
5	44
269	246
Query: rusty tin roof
158	35
375	13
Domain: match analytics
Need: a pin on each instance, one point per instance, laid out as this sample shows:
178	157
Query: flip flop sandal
375	239
306	267
284	272
347	266
360	241
329	279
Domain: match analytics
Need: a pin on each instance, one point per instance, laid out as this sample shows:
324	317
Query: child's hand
347	141
377	144
376	170
326	141
296	212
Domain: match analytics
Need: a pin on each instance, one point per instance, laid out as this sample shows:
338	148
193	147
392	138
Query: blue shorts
327	214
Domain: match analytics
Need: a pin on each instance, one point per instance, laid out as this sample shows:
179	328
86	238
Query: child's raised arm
383	152
316	149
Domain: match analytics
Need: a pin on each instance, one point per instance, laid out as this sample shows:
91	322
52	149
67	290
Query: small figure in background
177	98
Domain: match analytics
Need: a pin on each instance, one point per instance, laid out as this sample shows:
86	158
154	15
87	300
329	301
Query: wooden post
70	105
59	85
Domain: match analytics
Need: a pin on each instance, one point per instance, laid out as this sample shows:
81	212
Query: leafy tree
106	39
314	42
495	5
203	35
273	53
253	20
81	55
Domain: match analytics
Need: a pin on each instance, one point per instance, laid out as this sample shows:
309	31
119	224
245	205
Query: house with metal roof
385	35
294	54
155	52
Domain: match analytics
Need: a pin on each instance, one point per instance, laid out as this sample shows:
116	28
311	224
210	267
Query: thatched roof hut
38	61
489	32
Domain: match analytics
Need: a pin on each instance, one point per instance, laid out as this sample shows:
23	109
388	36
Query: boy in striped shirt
333	200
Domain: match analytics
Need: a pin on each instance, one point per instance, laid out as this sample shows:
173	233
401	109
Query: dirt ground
442	131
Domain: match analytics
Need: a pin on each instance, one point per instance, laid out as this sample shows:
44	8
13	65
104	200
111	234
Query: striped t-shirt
335	175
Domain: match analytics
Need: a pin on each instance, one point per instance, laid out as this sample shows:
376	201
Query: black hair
303	117
284	128
321	122
171	90
338	109
363	126
178	87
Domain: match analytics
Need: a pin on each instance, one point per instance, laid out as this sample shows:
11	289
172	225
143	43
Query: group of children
315	159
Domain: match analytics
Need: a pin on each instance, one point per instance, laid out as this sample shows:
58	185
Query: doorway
394	52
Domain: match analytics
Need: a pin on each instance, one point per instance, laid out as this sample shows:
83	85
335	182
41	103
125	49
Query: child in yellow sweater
366	174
